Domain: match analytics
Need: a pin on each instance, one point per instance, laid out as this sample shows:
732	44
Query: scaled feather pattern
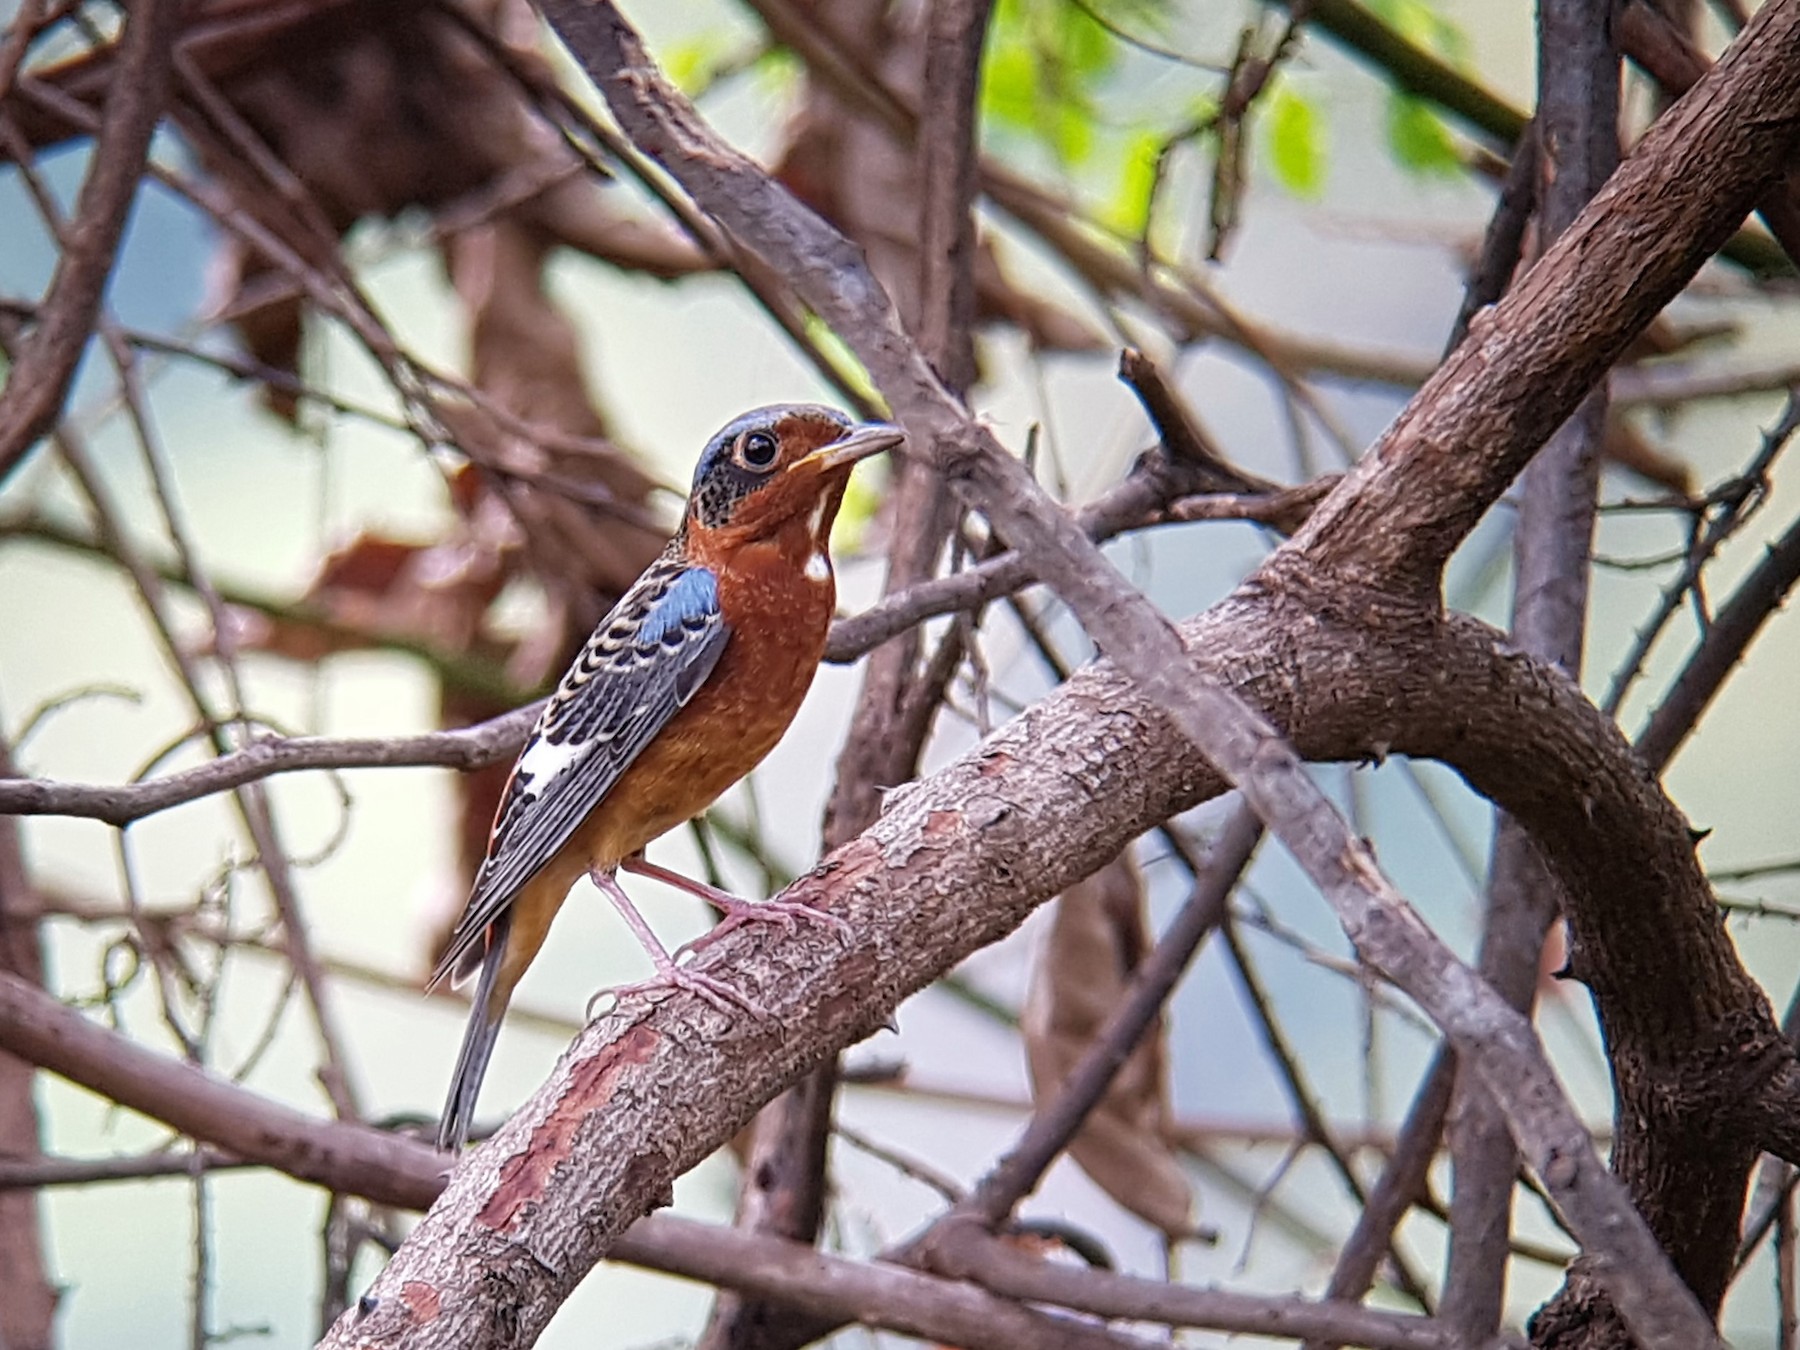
643	663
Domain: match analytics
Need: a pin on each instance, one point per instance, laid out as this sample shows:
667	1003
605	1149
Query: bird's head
766	472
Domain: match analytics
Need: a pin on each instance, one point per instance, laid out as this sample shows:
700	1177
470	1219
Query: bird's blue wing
645	660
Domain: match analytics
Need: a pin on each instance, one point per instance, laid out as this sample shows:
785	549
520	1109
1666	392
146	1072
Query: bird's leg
670	974
737	911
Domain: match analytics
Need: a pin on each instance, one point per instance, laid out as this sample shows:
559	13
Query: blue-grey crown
719	482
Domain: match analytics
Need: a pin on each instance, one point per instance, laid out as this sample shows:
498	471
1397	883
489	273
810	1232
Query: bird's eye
757	450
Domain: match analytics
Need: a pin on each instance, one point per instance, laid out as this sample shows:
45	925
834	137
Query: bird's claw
674	976
788	913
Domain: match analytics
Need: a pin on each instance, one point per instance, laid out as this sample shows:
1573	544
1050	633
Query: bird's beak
871	438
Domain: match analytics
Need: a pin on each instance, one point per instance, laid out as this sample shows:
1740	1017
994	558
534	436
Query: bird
680	691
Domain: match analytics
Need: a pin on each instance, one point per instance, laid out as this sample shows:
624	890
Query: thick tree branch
1577	143
353	1159
1414	497
1654	42
1314	635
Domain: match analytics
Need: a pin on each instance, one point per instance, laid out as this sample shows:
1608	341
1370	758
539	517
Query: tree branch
1400	1185
1057	1120
28	1312
1329	647
1577	143
392	1169
469	748
782	1189
964	1251
1653	42
1731	632
1407	503
39	379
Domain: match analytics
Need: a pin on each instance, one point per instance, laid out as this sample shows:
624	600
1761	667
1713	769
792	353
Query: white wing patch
818	568
542	761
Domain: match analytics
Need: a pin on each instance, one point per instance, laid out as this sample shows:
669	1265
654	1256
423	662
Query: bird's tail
485	1013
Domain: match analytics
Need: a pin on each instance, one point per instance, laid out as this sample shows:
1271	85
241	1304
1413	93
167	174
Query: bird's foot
671	975
670	972
789	914
737	911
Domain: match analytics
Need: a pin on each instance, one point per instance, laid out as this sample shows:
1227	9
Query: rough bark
1390	525
1577	148
937	877
360	1160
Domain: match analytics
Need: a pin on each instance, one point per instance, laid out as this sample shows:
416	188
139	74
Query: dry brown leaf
591	540
1097	938
854	172
376	589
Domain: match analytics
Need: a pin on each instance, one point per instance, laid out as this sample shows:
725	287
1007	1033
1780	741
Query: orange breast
778	617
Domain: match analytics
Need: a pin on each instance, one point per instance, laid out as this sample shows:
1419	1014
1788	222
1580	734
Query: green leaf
1009	88
1044	63
1423	26
691	64
1081	44
1129	210
1296	141
1071	131
1419	139
777	72
837	352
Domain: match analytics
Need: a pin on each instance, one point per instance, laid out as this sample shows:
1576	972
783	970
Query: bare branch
830	276
393	1169
1733	628
964	1251
1642	237
39	379
1577	142
469	748
1735	501
1400	1185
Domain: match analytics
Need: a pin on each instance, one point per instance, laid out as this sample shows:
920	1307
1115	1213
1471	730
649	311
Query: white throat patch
818	566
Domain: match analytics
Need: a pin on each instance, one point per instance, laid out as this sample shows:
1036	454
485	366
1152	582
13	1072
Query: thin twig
1314	1127
1401	1184
1057	1120
1735	502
